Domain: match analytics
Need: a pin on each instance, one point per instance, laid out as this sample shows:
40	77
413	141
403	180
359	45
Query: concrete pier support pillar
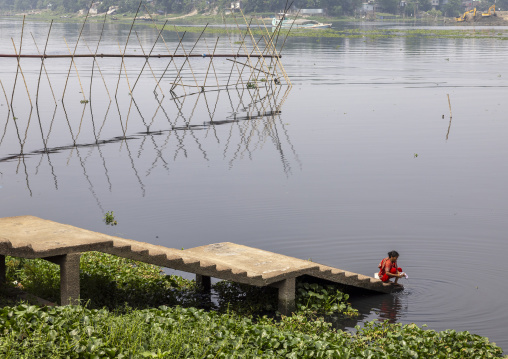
204	282
69	277
2	269
287	293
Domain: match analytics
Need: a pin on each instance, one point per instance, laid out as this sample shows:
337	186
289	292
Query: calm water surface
362	159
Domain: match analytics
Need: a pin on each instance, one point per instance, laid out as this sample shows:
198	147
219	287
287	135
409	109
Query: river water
362	158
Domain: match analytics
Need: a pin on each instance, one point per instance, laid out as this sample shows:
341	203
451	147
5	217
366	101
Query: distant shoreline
195	18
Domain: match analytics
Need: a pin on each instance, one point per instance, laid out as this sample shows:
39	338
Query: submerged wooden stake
449	105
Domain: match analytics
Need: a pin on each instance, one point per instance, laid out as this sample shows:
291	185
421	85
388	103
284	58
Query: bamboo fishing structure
263	51
171	70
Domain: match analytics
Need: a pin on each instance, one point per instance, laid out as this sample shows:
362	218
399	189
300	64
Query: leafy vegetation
462	33
125	324
453	8
106	281
109	217
332	7
78	332
315	300
366	33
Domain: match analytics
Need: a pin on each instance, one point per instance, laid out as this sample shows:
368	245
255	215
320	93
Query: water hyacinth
78	332
237	328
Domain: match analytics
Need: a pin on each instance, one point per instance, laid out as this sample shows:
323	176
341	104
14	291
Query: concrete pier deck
33	237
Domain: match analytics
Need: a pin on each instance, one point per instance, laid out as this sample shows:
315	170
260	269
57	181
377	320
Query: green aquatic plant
251	85
175	332
106	281
109	219
314	299
83	101
180	330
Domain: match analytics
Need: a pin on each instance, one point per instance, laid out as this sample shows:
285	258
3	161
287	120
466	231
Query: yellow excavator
490	12
468	15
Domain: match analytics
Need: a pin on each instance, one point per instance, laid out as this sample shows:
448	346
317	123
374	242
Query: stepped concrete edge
33	237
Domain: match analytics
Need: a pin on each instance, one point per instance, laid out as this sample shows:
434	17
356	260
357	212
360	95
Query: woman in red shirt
388	268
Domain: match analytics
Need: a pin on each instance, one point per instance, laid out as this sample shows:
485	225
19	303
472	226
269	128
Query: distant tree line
331	7
450	9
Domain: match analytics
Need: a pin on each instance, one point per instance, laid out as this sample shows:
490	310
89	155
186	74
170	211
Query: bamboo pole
100	72
38	85
8	113
255	44
290	28
160	103
77	74
211	63
18	57
274	51
5	94
123	53
171	61
128	85
255	68
242	45
22	75
147	57
277	32
43	66
167	48
151	70
80	123
96	62
125	72
159	56
68	123
75	48
187	57
257	62
231	45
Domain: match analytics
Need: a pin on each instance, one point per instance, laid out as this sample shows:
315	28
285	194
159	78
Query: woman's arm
398	274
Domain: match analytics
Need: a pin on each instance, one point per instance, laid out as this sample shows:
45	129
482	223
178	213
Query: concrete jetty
33	237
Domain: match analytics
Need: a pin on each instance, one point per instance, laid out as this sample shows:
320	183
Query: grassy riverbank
134	310
260	27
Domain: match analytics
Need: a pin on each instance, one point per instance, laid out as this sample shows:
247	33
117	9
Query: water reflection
373	306
391	308
247	123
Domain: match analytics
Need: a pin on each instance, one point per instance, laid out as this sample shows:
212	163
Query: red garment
387	265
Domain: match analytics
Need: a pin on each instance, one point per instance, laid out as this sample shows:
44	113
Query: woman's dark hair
393	254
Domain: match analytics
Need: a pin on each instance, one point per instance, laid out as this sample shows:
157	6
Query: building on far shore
312	12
